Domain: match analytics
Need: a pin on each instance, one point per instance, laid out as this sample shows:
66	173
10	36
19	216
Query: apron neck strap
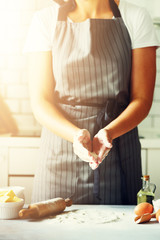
115	9
66	7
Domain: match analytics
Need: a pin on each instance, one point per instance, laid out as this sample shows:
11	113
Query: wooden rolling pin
46	208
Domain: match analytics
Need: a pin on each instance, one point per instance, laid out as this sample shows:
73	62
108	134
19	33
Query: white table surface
49	229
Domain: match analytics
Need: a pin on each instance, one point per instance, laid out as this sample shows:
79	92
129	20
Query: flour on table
88	216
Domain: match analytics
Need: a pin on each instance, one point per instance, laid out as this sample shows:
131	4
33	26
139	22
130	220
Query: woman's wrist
75	132
79	131
109	133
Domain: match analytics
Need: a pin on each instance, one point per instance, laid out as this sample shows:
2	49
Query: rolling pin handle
68	202
28	213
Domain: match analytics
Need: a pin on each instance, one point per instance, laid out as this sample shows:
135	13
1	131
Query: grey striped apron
92	72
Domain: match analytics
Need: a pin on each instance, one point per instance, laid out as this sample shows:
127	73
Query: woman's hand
82	146
90	152
102	144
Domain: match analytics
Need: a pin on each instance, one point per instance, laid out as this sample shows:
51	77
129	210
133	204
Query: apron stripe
100	81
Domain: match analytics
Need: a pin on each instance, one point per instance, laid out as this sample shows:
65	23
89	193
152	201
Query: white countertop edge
35	142
150	143
20	141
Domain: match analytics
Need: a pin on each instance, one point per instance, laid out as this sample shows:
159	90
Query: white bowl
10	210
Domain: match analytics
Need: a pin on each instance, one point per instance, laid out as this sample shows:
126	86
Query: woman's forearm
136	111
49	116
142	89
41	86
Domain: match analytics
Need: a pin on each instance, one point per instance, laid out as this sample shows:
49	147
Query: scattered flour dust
88	216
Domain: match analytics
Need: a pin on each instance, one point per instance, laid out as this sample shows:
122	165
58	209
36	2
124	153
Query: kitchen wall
15	18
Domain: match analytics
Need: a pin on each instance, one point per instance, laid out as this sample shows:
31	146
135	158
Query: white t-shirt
137	20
